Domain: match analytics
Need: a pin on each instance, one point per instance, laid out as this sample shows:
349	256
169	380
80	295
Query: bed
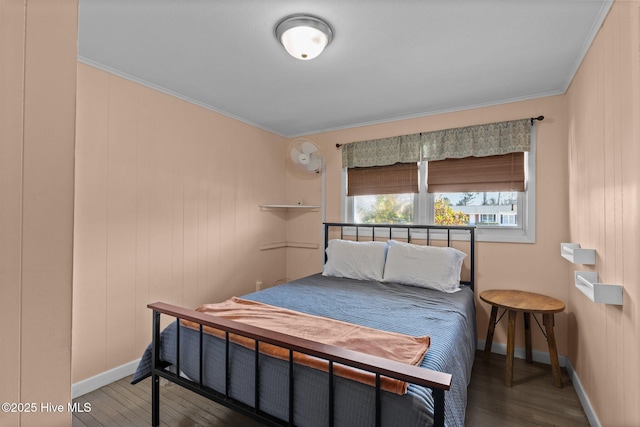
282	390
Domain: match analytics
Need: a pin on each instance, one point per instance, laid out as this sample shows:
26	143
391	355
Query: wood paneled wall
167	197
603	104
38	47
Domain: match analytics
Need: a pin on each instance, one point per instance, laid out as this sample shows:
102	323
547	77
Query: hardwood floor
532	401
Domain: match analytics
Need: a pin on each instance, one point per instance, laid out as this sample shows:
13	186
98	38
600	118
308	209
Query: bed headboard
419	234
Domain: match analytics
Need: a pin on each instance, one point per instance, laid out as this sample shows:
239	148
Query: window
501	216
482	208
487	218
508	219
383	194
384	209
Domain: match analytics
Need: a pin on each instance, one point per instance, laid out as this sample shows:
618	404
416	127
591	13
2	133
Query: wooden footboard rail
438	382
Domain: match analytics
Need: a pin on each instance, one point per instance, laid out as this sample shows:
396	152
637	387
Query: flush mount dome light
304	36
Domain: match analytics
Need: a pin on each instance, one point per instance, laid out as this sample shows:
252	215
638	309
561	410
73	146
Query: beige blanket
388	345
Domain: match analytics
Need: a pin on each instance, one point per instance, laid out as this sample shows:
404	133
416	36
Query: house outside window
508	219
488	208
487	218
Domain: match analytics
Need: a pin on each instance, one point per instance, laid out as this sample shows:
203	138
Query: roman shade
476	174
399	178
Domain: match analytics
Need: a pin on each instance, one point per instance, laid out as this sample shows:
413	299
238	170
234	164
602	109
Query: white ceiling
388	59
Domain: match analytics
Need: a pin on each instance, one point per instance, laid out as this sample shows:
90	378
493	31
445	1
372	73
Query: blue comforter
449	319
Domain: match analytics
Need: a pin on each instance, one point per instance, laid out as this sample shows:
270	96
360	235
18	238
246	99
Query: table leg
510	347
527	336
492	326
553	351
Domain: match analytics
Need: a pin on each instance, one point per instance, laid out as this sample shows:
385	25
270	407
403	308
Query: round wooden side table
513	301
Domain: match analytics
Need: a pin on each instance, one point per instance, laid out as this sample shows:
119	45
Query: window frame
524	232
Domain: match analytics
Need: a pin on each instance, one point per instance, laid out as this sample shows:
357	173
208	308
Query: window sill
503	235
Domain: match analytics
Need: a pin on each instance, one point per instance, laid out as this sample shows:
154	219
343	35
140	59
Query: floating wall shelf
573	253
597	292
279	245
289	207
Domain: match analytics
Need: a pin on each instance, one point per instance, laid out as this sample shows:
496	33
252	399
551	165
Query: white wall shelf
586	282
285	206
278	245
577	255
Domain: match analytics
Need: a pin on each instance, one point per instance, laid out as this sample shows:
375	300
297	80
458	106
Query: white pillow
425	266
355	260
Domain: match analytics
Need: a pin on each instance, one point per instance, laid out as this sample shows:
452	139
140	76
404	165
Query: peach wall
38	40
535	267
603	104
167	197
137	146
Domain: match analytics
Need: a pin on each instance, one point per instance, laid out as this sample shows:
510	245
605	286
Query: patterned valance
478	141
382	152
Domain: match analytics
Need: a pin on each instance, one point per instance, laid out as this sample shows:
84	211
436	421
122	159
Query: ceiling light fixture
304	36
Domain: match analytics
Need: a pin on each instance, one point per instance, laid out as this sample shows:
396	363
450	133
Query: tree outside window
384	209
445	215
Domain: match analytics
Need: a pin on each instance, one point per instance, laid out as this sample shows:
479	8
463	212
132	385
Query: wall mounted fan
305	156
306	160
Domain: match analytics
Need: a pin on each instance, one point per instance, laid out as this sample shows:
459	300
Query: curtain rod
539	118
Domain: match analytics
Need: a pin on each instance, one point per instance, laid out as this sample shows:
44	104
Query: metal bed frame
408	228
438	382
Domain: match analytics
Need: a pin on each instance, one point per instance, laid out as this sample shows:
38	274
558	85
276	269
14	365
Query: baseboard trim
520	353
100	380
543	357
582	395
95	382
